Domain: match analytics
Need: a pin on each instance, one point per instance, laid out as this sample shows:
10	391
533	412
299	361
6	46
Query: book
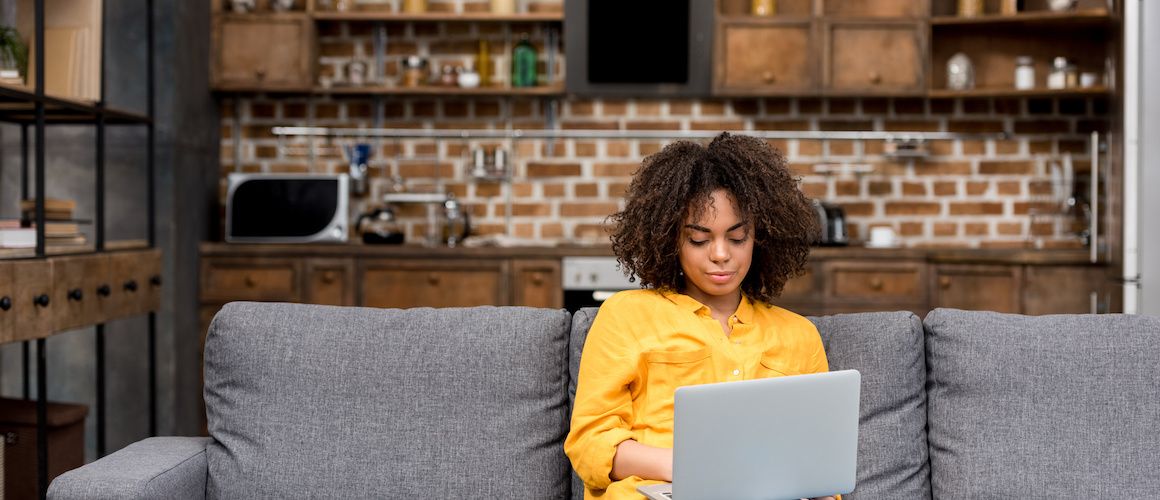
53	204
17	237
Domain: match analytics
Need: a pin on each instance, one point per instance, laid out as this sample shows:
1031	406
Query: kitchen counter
939	255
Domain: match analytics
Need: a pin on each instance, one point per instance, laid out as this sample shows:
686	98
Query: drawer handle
104	290
41	300
76	294
260	74
767	77
155	280
875	77
537	279
131	285
433	279
249	281
944	282
5	303
328	277
876	283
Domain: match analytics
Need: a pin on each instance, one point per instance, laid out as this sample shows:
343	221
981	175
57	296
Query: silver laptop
786	437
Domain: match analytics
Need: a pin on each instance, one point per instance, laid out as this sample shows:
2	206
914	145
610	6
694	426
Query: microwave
287	208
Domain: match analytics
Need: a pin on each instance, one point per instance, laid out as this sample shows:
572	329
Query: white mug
882	236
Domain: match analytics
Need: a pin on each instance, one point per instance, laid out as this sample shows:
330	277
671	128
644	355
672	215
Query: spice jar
1070	76
1057	79
763	7
413	71
503	6
414	6
1024	73
970	8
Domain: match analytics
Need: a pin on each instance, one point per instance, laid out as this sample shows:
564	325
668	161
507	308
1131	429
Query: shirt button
736	372
738	342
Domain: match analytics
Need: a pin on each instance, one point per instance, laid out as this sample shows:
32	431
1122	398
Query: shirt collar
744	312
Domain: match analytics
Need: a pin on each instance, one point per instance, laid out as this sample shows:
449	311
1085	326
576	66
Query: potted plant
13	56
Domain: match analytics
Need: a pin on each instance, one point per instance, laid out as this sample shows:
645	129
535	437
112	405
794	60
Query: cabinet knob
767	77
155	280
104	290
249	281
260	74
5	303
76	294
944	282
328	277
876	283
433	279
537	279
41	300
131	285
875	77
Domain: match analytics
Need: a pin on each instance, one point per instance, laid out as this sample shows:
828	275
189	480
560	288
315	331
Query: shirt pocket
777	365
668	370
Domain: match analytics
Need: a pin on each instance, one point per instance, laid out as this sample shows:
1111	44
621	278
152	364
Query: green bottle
524	63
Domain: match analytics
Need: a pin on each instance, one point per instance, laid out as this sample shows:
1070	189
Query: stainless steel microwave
287	208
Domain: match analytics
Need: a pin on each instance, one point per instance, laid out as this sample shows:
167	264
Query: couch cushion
887	349
1064	406
581	322
319	401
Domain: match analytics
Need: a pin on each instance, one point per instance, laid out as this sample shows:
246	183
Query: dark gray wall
186	128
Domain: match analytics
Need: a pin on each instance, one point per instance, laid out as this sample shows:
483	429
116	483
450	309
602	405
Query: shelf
438	17
1087	17
18	105
1098	90
762	20
55	250
540	90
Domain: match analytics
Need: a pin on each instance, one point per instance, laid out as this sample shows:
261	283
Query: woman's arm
643	461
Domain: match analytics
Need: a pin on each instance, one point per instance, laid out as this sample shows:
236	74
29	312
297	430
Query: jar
1009	7
763	7
960	72
524	63
1057	79
468	78
413	71
970	8
414	6
503	6
1070	76
448	78
1024	73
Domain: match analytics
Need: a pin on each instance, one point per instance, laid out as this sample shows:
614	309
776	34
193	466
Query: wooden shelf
18	105
760	20
1012	92
1086	17
540	90
438	17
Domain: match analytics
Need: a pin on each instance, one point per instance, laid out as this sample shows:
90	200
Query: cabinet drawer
978	288
76	281
404	284
329	282
766	58
32	304
873	282
537	283
7	302
225	280
874	58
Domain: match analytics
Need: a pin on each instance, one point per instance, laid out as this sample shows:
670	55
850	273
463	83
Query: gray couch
319	401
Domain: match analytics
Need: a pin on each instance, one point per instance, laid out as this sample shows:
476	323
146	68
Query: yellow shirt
644	344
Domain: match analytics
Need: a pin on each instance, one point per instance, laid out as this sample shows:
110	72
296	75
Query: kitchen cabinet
757	56
537	283
329	282
876	286
260	279
977	287
868	57
262	52
1065	290
432	283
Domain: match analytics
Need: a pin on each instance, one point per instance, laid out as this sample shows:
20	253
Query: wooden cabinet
977	287
1065	290
432	283
262	51
536	283
262	279
874	57
75	283
330	282
758	56
875	286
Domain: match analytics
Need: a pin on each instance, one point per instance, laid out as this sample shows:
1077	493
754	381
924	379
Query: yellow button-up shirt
644	344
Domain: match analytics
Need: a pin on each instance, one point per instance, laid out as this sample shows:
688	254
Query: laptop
785	437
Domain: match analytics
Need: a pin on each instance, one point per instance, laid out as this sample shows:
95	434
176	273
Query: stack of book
13	235
59	227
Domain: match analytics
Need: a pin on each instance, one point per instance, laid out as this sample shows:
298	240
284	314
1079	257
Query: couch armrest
161	467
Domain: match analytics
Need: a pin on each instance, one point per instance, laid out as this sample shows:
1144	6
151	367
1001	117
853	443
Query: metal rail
468	134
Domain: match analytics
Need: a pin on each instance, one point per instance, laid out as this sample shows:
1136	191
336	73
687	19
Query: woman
712	233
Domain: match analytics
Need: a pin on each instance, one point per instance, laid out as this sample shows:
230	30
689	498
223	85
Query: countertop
937	255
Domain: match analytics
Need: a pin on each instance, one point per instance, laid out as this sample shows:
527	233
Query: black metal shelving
33	109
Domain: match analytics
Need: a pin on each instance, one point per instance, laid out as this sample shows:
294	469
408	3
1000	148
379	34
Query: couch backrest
1063	406
319	401
887	348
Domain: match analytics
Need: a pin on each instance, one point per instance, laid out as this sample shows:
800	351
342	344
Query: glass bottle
763	7
1024	73
524	63
970	8
483	64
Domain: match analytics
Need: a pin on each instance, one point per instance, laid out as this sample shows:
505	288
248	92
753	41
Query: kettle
831	224
456	222
379	226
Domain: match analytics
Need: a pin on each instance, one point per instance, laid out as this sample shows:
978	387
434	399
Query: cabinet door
255	52
537	283
1063	289
978	288
32	301
329	282
402	283
874	57
767	57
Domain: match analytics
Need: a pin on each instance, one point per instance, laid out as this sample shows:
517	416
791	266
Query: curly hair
678	182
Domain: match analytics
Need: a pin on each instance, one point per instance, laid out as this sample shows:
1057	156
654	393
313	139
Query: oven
589	281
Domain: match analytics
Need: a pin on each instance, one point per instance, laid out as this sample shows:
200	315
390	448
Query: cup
1088	79
882	237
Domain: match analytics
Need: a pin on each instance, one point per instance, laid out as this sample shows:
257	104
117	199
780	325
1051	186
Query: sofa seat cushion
318	401
1064	406
887	349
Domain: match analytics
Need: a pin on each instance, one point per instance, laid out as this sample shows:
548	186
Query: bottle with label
524	63
483	64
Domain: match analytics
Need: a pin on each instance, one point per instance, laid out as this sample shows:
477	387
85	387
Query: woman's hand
643	461
824	498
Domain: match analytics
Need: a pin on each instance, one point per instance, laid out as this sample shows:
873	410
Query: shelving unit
49	289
